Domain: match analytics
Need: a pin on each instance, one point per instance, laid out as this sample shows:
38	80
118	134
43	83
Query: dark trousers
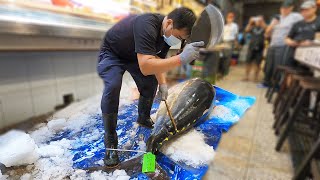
275	57
255	56
227	56
111	69
288	58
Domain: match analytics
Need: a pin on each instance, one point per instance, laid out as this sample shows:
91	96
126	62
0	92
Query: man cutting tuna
139	44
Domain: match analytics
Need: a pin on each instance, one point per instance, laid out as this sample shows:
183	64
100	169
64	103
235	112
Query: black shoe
266	83
111	158
145	121
144	108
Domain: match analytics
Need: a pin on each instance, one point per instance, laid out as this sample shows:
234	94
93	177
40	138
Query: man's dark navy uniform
139	44
135	34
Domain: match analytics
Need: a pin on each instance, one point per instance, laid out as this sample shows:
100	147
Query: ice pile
56	125
52	159
56	158
191	149
224	113
3	177
17	148
99	175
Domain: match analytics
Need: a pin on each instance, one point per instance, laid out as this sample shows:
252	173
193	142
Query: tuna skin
187	101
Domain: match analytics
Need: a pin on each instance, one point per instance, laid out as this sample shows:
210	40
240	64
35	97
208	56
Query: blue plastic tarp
90	152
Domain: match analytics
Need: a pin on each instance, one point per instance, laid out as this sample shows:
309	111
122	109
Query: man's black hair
183	18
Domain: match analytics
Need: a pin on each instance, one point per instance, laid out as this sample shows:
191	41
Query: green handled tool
149	163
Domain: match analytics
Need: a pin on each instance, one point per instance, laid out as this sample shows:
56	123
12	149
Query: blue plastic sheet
90	152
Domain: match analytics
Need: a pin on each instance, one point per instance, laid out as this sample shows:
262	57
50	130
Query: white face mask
171	40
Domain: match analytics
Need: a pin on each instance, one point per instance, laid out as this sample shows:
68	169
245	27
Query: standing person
256	27
303	32
230	38
139	44
278	31
231	29
318	6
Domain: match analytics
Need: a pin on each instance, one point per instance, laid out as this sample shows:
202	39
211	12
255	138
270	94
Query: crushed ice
187	149
53	160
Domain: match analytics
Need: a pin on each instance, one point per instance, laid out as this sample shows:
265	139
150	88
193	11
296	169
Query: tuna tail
156	141
153	144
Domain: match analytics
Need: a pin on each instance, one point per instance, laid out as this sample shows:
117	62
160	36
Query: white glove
163	91
191	52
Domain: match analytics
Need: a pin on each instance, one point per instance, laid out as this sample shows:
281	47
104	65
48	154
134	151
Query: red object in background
233	62
61	2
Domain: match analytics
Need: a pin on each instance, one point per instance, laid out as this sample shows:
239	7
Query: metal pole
171	117
125	150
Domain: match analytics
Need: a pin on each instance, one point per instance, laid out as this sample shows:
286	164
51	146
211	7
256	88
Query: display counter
23	27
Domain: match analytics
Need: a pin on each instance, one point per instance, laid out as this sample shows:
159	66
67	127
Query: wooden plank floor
247	150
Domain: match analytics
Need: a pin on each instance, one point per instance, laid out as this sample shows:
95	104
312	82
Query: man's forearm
157	66
290	42
269	30
161	77
248	28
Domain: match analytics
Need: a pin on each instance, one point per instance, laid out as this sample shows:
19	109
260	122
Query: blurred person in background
231	29
278	31
256	27
139	44
318	7
230	39
303	32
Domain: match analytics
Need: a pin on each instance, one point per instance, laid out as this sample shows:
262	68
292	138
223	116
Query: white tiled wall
33	83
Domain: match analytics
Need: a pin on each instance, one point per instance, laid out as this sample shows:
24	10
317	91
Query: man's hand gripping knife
189	54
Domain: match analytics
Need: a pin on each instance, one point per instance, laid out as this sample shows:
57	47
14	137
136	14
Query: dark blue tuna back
195	98
187	102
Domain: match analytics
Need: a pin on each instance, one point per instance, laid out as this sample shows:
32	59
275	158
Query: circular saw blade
208	27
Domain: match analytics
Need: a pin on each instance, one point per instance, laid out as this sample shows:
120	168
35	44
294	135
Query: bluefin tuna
189	103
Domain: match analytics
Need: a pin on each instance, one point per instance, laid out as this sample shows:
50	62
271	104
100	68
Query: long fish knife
125	150
171	117
208	27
